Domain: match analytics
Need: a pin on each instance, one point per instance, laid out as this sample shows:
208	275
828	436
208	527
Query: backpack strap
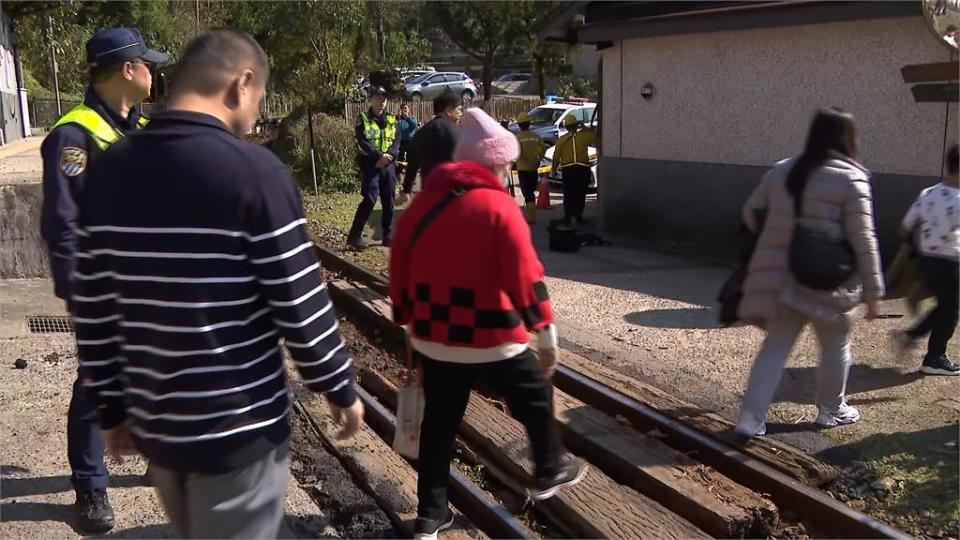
431	214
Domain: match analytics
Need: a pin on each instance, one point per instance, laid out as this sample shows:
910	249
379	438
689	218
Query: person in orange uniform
532	149
572	157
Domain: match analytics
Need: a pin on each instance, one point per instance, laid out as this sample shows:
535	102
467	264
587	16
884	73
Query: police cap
117	45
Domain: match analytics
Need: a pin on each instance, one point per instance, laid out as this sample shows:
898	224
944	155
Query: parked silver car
431	85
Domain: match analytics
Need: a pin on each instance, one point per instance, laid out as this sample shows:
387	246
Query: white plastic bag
406	437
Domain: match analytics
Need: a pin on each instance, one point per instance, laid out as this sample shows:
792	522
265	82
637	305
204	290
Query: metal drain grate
49	324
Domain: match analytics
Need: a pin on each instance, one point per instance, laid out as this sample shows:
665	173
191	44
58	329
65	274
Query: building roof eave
635	20
556	25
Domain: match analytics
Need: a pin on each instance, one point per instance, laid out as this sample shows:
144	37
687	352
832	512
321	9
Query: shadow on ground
14	488
631	264
683	318
799	384
27	487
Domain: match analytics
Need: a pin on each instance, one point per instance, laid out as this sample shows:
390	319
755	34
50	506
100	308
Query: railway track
662	468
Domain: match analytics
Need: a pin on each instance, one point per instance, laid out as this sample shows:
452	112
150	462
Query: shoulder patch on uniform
73	160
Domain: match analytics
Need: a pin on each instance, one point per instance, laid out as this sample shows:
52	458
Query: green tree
318	50
71	24
487	31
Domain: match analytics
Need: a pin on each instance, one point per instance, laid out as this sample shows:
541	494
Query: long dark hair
832	130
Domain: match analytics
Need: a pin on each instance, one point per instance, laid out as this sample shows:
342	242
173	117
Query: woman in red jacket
467	284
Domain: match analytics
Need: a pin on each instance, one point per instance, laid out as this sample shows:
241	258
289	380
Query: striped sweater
193	270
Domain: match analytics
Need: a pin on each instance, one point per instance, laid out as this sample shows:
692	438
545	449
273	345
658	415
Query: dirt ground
20	162
35	493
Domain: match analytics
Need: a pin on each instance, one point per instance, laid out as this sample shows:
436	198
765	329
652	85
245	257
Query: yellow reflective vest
574	148
382	139
100	131
532	149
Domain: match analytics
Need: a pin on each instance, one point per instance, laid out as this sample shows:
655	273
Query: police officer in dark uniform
120	77
378	147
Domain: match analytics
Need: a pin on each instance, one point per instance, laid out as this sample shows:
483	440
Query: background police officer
378	146
572	157
532	149
120	77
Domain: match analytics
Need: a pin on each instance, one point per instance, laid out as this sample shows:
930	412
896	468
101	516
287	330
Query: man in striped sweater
194	269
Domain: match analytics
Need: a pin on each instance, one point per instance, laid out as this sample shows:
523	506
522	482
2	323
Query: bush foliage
335	151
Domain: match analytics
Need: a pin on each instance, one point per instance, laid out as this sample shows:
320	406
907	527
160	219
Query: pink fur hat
484	141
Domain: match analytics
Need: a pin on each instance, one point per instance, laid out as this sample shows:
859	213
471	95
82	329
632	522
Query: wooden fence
498	108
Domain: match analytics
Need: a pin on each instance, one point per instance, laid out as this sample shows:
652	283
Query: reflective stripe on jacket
382	139
100	131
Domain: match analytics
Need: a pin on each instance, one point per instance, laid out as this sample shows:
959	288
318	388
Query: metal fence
498	108
43	111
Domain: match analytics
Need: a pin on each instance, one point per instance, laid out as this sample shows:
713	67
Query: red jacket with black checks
472	279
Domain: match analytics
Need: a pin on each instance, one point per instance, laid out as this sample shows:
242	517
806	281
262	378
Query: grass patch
330	216
926	499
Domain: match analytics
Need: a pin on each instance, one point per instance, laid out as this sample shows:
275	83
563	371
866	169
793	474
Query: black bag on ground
564	238
816	260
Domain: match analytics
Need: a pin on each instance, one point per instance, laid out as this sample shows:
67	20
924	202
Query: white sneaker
746	432
843	416
749	426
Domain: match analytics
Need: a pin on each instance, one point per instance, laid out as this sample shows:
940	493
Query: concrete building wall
729	104
23	253
10	122
584	60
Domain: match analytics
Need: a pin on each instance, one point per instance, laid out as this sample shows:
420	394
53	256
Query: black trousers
446	390
406	147
941	276
528	185
84	443
375	183
576	178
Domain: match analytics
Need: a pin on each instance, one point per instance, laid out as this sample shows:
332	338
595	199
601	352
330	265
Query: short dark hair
446	101
100	74
953	160
211	58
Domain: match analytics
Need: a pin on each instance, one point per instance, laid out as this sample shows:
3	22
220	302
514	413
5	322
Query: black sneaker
939	366
358	244
573	472
93	512
428	529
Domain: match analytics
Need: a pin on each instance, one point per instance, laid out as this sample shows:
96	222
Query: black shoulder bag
816	260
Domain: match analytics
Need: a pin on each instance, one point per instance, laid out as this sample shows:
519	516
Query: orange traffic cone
543	197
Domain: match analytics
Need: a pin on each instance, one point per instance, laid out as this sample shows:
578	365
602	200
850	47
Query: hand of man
403	198
118	440
351	417
873	310
548	361
382	162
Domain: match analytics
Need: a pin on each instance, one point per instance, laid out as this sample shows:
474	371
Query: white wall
611	103
747	97
8	74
